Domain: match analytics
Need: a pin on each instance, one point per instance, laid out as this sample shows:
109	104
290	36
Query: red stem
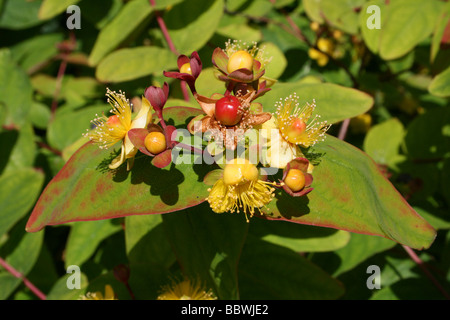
343	130
59	79
422	266
27	282
163	27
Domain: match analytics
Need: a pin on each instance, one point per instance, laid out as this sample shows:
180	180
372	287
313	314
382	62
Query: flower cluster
227	118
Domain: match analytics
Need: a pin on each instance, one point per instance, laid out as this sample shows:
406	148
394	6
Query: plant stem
163	27
425	270
59	79
343	129
20	276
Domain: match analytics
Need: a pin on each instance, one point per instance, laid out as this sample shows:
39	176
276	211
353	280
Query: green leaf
40	115
300	238
133	14
428	136
278	61
271	272
85	189
19	190
360	248
208	246
19	14
442	22
440	85
334	103
147	242
18	147
339	14
16	91
79	121
371	37
404	24
36	51
51	8
232	25
85	237
192	23
60	290
351	194
21	252
383	141
128	64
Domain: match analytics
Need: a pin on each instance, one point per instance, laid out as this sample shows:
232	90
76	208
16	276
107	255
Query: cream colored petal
119	159
144	116
281	152
130	149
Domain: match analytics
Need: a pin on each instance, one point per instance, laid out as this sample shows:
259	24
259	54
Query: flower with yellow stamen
240	61
110	130
240	189
186	290
109	295
289	128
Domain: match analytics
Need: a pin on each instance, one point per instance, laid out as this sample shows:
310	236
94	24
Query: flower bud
239	171
295	180
295	129
240	60
157	96
186	68
155	142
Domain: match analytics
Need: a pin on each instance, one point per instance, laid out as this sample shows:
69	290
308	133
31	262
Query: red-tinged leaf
163	159
220	60
137	137
243	75
350	193
86	189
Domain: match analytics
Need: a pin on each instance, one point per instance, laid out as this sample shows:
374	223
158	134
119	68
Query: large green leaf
85	189
350	193
20	251
334	103
340	14
133	63
85	237
15	91
383	141
119	29
440	85
192	23
268	271
51	8
18	192
300	238
404	24
208	246
19	14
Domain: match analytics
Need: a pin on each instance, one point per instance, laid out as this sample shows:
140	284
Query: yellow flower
289	128
109	295
185	290
111	130
240	189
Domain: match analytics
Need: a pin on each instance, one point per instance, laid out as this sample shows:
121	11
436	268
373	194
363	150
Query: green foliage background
53	80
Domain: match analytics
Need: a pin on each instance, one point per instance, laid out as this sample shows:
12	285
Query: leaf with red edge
86	189
162	159
350	193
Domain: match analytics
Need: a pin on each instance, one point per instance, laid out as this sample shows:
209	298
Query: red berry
228	110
